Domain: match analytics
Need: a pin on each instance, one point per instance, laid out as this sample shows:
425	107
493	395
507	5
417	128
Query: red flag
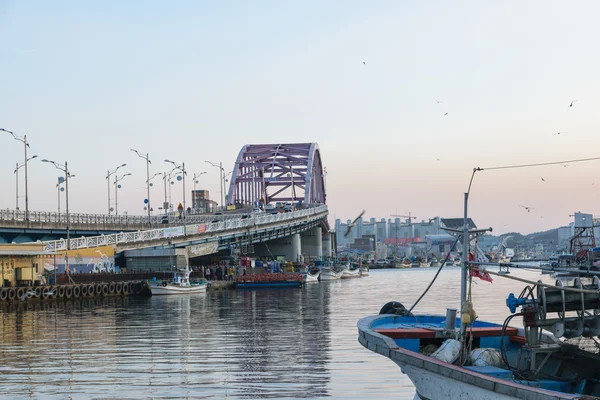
483	275
471	256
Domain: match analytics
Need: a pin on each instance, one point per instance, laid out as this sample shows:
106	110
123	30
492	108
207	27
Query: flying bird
571	105
446	114
565	165
364	63
527	208
353	224
438	159
543	180
439	102
557	133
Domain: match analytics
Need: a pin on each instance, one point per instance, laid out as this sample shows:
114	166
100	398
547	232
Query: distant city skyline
404	100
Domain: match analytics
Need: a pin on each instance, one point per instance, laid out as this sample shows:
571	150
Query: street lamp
23	139
18	166
184	173
145	157
65	169
117	187
108	174
220	166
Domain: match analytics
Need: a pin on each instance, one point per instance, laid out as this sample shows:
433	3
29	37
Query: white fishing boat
364	271
179	284
330	274
348	273
311	276
424	264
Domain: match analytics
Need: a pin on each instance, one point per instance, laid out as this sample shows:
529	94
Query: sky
370	82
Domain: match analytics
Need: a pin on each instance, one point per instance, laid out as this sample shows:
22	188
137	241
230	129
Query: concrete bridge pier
312	243
290	247
327	245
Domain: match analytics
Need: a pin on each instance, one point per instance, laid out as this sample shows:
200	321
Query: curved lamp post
145	157
117	186
108	174
23	139
184	173
64	168
16	172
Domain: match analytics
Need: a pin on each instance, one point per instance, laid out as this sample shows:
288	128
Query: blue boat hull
266	285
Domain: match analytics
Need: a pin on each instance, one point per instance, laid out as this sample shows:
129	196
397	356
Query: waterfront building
23	264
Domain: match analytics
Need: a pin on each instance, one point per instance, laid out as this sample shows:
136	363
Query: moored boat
312	276
350	273
447	357
179	284
330	274
364	271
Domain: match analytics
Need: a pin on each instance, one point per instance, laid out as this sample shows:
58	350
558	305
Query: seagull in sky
543	180
439	102
364	63
527	208
446	114
571	105
438	159
353	224
565	165
557	133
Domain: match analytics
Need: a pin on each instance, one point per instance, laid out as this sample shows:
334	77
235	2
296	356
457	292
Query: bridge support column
312	243
327	245
290	247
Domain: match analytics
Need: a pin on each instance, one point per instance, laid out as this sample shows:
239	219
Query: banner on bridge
173	232
203	249
195	229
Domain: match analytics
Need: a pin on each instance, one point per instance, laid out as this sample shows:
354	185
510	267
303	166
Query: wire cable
435	277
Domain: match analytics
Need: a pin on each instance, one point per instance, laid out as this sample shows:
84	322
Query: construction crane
410	218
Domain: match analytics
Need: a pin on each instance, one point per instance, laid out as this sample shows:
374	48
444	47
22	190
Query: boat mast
465	259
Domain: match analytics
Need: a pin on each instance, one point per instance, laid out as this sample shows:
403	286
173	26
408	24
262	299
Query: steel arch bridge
278	172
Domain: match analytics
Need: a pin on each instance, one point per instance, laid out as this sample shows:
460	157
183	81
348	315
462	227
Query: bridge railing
183	230
114	220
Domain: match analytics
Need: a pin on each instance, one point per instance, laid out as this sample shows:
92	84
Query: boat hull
350	273
328	275
159	290
267	285
312	277
435	379
364	272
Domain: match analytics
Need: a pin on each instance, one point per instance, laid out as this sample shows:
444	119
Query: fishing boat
435	263
348	273
312	276
424	264
179	284
449	262
364	270
406	263
330	274
450	358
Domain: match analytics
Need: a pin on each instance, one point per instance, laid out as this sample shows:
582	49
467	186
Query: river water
281	343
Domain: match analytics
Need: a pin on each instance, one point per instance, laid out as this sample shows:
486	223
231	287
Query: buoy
118	288
61	292
111	288
45	291
105	290
12	293
84	290
98	289
3	294
91	290
20	292
38	290
68	292
76	291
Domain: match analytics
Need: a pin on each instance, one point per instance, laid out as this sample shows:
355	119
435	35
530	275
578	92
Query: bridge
263	173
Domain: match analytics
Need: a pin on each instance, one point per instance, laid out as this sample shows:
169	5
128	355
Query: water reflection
297	343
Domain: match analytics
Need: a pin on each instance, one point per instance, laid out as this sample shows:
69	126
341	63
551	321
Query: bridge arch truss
278	172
